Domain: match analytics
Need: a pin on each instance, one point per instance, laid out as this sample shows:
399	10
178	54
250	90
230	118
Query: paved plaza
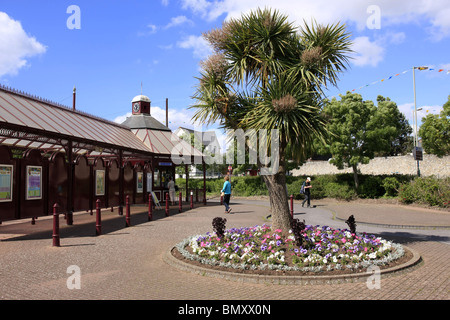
128	263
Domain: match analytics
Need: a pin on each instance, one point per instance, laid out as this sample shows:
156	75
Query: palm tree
267	74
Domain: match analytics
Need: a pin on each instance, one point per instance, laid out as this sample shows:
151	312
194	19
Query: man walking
307	192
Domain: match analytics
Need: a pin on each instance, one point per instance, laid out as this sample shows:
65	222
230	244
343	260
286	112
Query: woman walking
226	192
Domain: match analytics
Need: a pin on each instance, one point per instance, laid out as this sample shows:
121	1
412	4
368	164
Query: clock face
136	107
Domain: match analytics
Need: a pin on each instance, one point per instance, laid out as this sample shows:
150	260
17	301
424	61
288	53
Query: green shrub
339	191
426	190
391	186
370	187
406	193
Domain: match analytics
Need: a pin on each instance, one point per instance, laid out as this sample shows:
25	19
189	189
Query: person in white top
171	186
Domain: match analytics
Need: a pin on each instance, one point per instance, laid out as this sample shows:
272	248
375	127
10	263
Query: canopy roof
31	122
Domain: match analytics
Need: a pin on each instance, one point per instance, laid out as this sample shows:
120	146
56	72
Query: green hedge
426	190
429	190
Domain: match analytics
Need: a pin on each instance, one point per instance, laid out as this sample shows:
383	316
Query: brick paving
127	263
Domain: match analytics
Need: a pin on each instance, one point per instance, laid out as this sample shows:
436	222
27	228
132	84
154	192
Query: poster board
139	182
34	183
155	200
99	182
6	182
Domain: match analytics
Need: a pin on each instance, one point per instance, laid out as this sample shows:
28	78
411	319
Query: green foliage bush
339	191
370	187
425	190
391	186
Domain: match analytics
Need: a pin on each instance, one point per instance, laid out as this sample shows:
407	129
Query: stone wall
431	165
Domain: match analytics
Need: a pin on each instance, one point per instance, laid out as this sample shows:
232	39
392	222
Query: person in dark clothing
307	192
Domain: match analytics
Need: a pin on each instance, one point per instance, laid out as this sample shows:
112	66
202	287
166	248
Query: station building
52	154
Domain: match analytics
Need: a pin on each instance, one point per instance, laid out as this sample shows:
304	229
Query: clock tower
141	105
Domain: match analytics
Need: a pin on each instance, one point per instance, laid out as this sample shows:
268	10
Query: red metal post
292	206
150	207
192	199
180	203
167	204
56	242
98	220
128	215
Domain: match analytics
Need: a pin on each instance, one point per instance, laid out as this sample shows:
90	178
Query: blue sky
158	42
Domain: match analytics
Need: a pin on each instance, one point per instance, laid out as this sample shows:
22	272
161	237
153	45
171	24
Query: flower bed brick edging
287	279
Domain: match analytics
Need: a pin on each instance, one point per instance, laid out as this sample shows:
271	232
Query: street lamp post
416	134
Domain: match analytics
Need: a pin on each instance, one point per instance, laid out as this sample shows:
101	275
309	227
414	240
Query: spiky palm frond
258	46
324	54
286	106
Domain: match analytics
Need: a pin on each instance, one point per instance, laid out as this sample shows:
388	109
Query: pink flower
343	240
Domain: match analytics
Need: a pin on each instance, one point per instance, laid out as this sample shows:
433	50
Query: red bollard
167	204
128	215
150	207
98	220
56	242
180	203
292	206
192	199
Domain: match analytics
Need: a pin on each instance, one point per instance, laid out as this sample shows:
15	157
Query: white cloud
197	6
367	52
177	21
433	15
422	111
200	46
151	29
16	46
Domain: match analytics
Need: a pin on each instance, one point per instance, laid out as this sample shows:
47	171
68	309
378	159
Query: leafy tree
267	74
394	121
435	132
359	129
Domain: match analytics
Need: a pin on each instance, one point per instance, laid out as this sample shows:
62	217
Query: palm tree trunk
276	185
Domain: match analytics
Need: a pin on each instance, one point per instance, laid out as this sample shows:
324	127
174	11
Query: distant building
208	140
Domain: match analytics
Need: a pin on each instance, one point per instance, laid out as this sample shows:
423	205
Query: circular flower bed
321	248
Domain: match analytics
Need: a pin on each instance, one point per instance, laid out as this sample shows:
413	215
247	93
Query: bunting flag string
396	75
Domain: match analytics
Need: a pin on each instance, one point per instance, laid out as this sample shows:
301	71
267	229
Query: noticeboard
34	182
418	153
6	182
